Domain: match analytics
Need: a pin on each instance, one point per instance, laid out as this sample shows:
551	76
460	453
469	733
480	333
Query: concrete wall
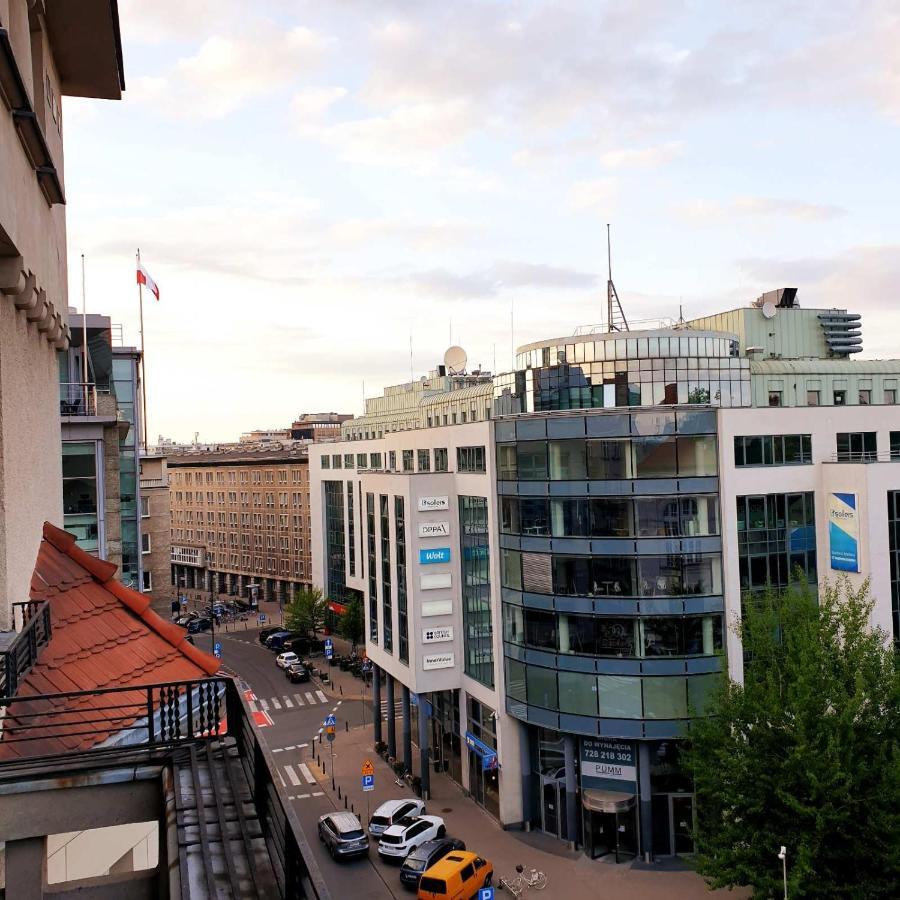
157	524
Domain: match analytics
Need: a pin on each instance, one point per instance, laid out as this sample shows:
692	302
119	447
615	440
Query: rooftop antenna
613	323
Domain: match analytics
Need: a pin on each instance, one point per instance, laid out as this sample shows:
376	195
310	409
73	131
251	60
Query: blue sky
310	183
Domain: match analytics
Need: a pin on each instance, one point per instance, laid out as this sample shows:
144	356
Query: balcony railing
17	658
180	724
865	456
77	398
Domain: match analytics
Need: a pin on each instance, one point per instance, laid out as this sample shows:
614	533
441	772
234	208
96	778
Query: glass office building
611	569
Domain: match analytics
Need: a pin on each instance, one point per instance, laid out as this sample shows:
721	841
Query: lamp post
782	855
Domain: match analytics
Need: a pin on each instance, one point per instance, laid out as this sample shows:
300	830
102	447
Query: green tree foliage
306	612
806	753
352	623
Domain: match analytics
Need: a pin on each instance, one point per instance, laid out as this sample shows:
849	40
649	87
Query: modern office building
240	521
549	591
100	416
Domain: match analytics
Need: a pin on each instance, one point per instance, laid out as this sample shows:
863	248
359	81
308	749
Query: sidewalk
571	874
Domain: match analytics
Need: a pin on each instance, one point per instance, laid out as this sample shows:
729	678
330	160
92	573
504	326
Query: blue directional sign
217	649
329	644
486	893
262	618
368	782
331	720
434	555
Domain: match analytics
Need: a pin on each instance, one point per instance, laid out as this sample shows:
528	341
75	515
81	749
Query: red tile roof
104	635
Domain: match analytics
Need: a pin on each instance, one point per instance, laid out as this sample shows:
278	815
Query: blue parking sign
329	653
486	893
217	649
262	618
368	782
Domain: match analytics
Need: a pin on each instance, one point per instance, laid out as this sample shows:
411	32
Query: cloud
312	103
712	212
593	194
227	72
642	157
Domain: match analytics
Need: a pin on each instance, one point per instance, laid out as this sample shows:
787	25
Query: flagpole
143	364
84	348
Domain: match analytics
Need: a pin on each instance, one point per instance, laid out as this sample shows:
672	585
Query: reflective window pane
620	696
654	457
567	461
578	693
608	459
665	698
542	687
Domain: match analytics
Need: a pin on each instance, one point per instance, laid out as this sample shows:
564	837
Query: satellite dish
769	309
455	360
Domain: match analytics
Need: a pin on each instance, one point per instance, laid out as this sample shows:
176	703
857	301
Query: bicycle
524	879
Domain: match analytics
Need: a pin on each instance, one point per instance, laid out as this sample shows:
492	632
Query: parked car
297	673
393	811
458	876
266	633
283	660
343	835
402	838
300	644
201	624
278	640
424	857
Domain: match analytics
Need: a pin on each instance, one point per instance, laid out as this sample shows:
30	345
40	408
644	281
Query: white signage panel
436	608
433	582
437	635
438	661
429	504
434	529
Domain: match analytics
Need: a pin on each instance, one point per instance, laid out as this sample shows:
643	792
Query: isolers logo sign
434	529
434	555
843	532
428	504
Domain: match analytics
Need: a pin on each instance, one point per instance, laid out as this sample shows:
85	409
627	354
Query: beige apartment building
240	523
156	544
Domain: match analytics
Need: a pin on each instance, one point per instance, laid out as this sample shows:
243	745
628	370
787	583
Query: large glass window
79	472
620	696
540	629
507	468
373	577
655	457
665	697
402	610
542	689
531	460
611	517
577	693
570	517
609	459
857	446
470	459
476	589
697	455
773	450
567	460
386	600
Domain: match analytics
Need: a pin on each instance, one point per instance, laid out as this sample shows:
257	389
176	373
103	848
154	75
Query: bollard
346	724
339	792
352	809
345	801
341	689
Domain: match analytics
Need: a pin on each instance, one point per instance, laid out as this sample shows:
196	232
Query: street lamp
782	855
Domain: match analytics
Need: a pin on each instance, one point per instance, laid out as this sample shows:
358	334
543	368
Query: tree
805	753
306	612
352	622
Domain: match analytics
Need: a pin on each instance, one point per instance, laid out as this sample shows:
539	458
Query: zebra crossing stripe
275	703
298	700
287	702
322	697
292	775
304	769
309	699
265	705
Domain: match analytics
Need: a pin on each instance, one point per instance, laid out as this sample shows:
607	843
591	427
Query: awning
606	801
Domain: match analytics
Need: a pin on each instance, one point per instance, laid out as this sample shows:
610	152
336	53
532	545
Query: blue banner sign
434	555
488	755
843	532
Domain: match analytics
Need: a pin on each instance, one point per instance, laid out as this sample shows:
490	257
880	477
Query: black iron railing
21	654
47	731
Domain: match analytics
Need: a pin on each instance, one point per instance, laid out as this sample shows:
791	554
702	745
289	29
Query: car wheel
442	832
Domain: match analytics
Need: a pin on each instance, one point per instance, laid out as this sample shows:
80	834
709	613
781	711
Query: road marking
339	703
298	700
287	702
265	705
275	703
322	697
292	775
304	769
280	749
281	779
300	796
318	793
310	699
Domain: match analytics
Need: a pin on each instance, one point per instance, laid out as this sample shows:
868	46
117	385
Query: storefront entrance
673	824
610	825
553	808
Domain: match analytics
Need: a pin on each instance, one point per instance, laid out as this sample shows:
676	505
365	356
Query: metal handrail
865	456
77	398
21	654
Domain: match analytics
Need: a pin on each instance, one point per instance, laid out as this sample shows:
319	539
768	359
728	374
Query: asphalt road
293	740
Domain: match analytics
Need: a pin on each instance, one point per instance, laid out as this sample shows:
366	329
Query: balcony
77	398
183	755
19	649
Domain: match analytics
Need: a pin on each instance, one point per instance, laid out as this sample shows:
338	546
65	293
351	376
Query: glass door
683	823
550	808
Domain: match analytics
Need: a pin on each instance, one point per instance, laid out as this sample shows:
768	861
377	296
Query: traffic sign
329	644
486	893
262	618
331	720
217	649
329	735
368	768
329	653
368	782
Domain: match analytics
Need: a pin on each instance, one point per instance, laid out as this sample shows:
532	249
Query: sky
317	187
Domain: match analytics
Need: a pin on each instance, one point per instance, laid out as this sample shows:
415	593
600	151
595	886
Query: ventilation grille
843	332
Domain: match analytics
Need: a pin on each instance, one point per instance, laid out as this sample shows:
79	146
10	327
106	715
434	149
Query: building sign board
436	608
433	582
430	504
843	531
487	755
438	635
608	764
437	661
429	556
434	529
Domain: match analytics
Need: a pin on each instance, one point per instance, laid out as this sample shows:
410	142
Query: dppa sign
434	555
434	529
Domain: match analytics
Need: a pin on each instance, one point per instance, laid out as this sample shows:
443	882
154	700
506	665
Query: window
79	472
335	463
893	503
865	396
386	604
440	459
654	457
609	459
772	450
424	460
890	395
812	398
857	446
775	398
146	581
145	507
567	460
408	460
470	459
392	460
402	611
840	398
373	577
325	462
476	589
351	530
360	460
145	542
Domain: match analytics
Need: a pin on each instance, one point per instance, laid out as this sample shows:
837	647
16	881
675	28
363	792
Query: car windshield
392	839
352	835
380	820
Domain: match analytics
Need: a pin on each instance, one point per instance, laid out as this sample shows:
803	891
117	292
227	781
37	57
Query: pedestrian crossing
292	701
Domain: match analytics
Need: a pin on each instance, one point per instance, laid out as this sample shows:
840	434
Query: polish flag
143	277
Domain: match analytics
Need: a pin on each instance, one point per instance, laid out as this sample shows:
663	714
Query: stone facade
155	524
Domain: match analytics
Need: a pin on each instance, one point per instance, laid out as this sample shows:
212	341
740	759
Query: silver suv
343	835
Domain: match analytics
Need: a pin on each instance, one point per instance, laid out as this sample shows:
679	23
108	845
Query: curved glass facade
657	368
611	569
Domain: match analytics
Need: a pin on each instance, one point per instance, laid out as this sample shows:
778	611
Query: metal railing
161	718
77	398
21	654
864	456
